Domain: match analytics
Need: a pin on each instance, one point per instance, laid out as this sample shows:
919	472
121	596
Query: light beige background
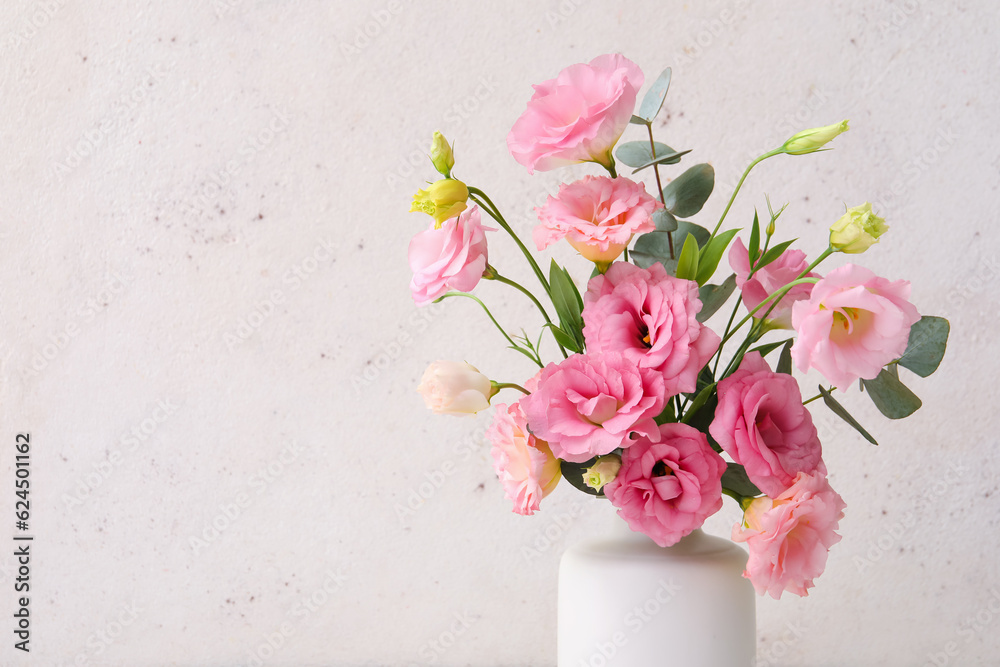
206	326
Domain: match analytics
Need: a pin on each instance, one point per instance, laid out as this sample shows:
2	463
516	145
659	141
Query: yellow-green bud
810	141
442	156
857	230
604	470
442	200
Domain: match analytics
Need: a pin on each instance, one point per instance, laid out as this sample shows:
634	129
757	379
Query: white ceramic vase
626	602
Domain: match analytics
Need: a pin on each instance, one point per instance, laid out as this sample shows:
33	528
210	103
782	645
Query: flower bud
442	200
857	230
810	141
442	156
604	470
455	388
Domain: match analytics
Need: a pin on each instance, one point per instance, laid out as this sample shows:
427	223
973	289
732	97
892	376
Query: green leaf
687	263
891	396
754	247
637	153
564	338
635	120
711	255
785	359
713	296
928	340
667	415
653	99
573	473
665	222
736	480
670	158
568	303
686	194
653	247
768	348
839	410
773	254
699	401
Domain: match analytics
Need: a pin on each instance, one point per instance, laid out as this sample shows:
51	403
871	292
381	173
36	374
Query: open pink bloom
649	317
790	536
762	424
770	279
853	324
577	116
668	488
524	464
589	405
597	215
450	258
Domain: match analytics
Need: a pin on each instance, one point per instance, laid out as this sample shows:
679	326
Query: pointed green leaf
687	263
891	396
638	153
564	338
654	248
686	194
839	410
713	296
773	254
768	348
568	303
785	359
928	341
653	99
711	255
573	473
754	248
736	480
699	401
670	158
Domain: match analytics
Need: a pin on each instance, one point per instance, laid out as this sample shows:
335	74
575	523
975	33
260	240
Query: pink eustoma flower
853	324
597	215
667	488
650	317
452	257
577	116
524	464
768	280
760	422
590	405
789	537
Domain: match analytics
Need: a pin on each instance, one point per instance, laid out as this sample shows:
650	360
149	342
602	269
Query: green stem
511	385
526	292
729	324
497	324
480	198
659	186
740	184
815	397
774	296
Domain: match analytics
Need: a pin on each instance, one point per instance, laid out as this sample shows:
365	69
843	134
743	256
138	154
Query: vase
624	601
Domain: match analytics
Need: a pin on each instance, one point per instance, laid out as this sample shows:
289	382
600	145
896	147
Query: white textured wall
219	266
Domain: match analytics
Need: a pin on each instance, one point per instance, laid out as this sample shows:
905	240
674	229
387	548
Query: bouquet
636	400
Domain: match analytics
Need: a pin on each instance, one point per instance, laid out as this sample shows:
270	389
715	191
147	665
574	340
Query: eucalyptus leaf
736	480
687	263
841	412
711	255
785	359
653	99
638	153
928	341
664	221
654	247
890	396
670	158
714	296
635	120
573	473
686	194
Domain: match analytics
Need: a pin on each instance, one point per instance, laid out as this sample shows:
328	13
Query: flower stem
511	385
510	340
480	198
659	185
740	184
807	402
507	281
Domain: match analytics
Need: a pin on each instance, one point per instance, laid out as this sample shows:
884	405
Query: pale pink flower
578	116
452	257
597	215
455	388
524	464
760	422
790	536
768	280
590	405
649	317
853	324
666	489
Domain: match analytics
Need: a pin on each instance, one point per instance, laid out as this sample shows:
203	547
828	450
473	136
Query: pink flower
589	405
450	258
762	424
668	488
597	215
649	317
578	116
524	464
769	280
789	537
853	324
